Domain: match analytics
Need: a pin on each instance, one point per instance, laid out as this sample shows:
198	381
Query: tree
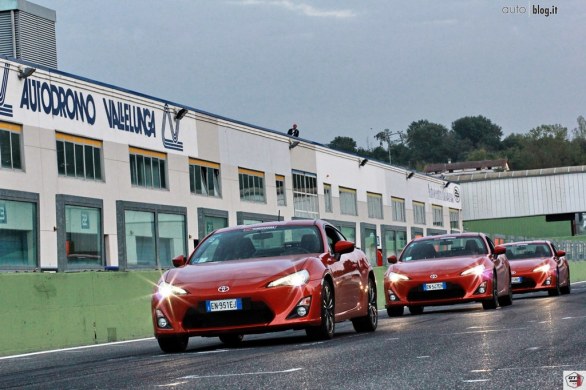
427	142
344	144
480	131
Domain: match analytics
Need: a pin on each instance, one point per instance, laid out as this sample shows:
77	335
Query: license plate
224	305
516	279
434	286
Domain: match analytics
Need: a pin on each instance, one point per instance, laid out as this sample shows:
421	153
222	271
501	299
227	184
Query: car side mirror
392	259
560	253
179	261
342	247
499	250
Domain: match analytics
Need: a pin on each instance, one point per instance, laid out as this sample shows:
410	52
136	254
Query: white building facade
93	176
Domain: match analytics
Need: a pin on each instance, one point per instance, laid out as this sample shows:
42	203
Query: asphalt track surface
525	346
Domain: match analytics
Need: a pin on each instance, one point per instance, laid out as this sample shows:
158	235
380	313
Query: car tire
326	329
173	344
415	310
492	303
369	322
568	287
232	340
395	311
556	291
507	300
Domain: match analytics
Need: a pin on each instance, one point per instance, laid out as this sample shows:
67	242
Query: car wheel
568	287
507	300
369	322
232	340
173	344
492	303
325	330
554	292
395	311
415	310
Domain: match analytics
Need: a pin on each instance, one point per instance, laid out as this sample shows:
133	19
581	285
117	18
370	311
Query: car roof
296	222
455	235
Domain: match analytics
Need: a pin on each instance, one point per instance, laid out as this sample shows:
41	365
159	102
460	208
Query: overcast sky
337	67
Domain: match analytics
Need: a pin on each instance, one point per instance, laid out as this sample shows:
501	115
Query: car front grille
252	313
451	291
525	283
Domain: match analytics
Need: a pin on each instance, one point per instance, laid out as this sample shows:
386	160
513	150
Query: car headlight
166	290
395	277
477	270
297	279
542	268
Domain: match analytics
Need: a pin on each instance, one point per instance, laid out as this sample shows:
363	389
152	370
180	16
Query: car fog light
547	281
301	311
162	322
392	297
481	289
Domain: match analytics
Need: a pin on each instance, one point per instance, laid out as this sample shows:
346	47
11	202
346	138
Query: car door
562	265
341	269
501	267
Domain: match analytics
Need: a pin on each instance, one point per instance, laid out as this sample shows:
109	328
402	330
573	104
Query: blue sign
85	220
3	213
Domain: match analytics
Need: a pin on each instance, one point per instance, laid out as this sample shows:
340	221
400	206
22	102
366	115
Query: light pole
385	136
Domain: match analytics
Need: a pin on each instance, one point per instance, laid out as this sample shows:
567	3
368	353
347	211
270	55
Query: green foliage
473	139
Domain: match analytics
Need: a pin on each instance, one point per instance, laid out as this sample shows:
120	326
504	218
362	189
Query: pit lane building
94	176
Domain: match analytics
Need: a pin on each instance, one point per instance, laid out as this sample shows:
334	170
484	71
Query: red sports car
448	269
262	278
538	266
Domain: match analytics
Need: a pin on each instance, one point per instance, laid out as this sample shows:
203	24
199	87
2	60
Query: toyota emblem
433	276
223	289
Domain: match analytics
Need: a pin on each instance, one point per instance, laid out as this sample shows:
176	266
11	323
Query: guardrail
575	250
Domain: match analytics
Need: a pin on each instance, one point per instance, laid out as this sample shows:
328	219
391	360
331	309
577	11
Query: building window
280	184
18	230
305	200
210	220
375	205
147	168
348	201
83	231
328	197
454	219
151	235
398	207
438	215
252	185
395	241
10	152
79	157
204	178
419	213
348	229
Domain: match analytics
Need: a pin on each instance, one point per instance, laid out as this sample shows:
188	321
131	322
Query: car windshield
528	251
255	242
440	248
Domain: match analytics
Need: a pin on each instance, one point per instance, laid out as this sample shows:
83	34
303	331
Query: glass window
438	215
395	241
10	146
204	178
252	186
328	197
454	219
280	184
369	245
375	205
18	234
79	157
348	201
419	213
212	223
140	238
83	236
147	168
171	237
305	200
398	206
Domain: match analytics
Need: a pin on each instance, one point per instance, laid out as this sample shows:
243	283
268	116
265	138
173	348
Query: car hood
235	272
440	267
527	264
